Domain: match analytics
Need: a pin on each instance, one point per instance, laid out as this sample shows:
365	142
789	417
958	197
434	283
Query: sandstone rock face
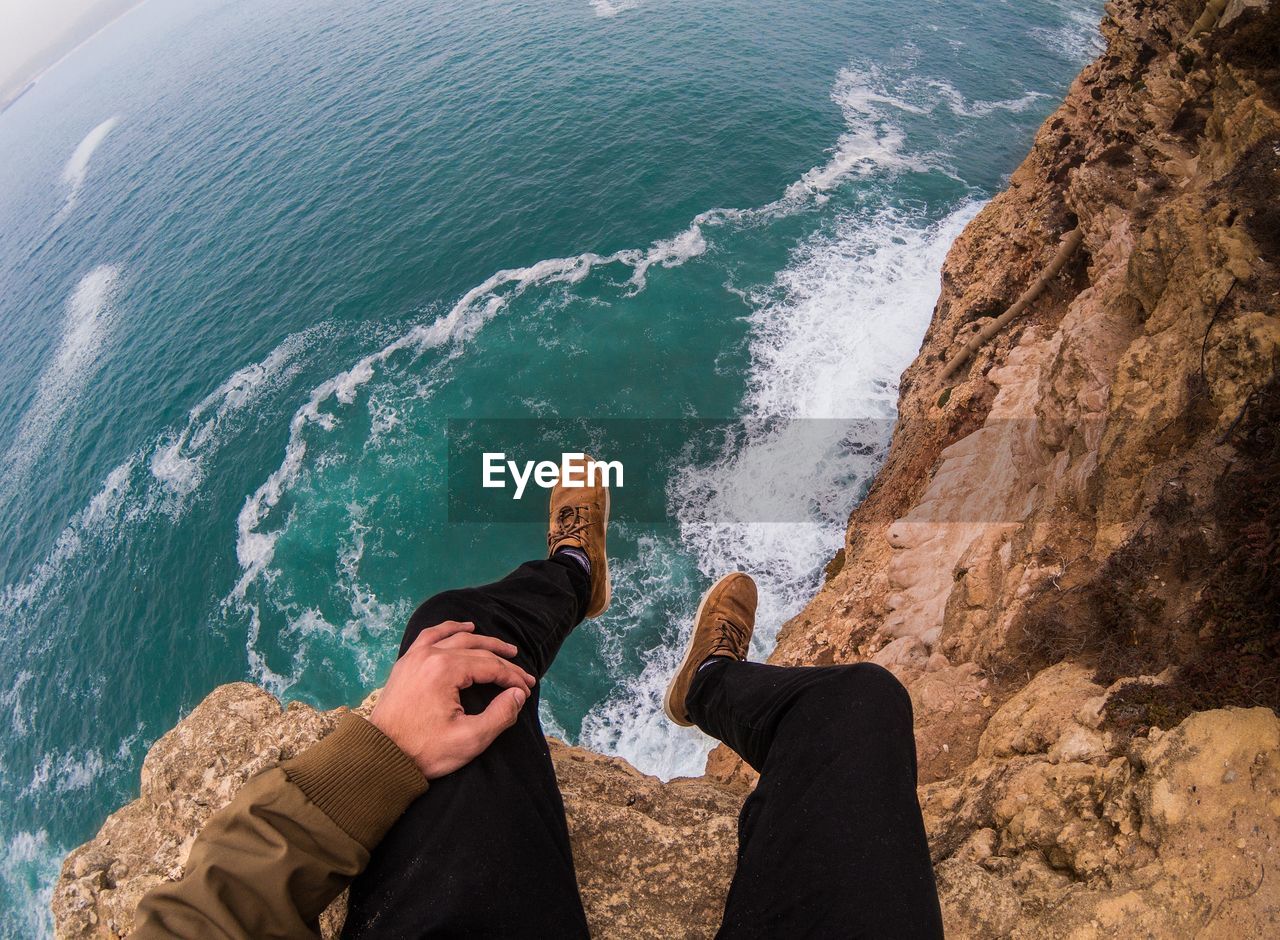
1068	558
1053	835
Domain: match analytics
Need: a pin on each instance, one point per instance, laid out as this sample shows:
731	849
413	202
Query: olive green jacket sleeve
270	862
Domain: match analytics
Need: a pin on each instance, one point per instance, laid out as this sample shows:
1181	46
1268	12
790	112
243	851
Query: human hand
419	708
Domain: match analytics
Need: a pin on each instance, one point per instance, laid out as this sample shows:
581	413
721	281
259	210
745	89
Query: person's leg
831	843
485	852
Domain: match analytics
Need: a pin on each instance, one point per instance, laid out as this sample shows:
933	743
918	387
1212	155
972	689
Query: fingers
441	631
483	657
477	641
481	667
500	715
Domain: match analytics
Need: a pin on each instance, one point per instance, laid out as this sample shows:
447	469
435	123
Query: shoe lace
733	639
569	521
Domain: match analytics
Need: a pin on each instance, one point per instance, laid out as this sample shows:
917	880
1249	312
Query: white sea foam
29	861
91	522
384	418
830	338
66	772
1078	38
89	316
630	721
873	141
839	324
158	478
15	702
362	633
174	461
962	107
610	8
370	620
177	463
77	168
29	864
669	252
263	674
550	727
255	549
71	770
869	96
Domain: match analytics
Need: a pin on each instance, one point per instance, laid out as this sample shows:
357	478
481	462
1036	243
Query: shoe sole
688	653
604	533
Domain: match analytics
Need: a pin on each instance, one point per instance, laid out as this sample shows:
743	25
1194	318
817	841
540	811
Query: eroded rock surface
1069	557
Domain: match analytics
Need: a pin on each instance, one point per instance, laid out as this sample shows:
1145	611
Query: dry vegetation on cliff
1070	556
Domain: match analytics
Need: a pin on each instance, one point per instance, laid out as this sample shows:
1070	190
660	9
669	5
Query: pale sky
27	27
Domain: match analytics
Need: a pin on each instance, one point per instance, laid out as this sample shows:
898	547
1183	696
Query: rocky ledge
1069	557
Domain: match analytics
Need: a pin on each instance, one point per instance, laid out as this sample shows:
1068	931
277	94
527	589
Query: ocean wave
838	325
71	770
29	864
76	169
99	516
159	478
29	861
1078	39
830	338
550	727
177	462
90	315
672	252
962	107
15	703
66	772
365	632
868	94
872	142
369	619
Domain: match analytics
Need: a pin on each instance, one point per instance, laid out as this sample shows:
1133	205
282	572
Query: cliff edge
1070	556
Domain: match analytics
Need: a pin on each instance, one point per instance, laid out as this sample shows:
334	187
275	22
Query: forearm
271	861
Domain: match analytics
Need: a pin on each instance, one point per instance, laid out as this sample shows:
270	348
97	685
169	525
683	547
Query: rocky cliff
1071	556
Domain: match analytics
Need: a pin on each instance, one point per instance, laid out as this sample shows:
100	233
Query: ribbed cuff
359	778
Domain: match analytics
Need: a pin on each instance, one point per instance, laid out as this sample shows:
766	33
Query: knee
447	605
862	690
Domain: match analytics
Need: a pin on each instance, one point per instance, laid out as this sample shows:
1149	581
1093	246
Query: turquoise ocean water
254	256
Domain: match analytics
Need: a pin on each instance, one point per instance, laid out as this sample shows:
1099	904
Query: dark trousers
831	842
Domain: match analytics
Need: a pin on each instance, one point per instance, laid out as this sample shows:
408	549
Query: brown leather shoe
721	627
579	517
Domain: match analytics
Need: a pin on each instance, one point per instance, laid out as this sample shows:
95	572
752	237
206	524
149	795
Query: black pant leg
831	843
485	852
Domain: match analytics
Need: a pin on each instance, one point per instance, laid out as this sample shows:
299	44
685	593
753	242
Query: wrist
359	777
403	742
